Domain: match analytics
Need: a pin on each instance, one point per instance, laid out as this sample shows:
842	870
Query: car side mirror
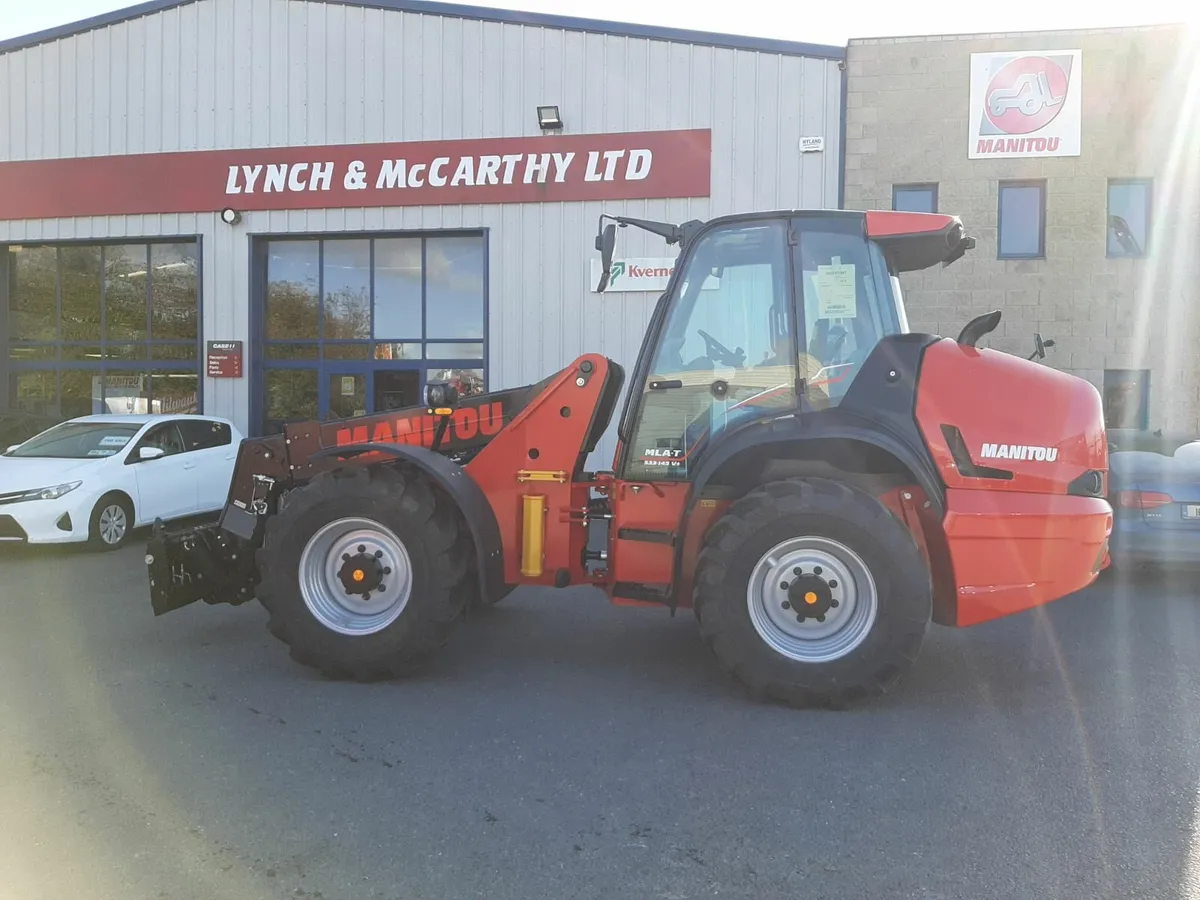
148	453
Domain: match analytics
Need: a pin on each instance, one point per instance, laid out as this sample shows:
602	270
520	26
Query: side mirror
147	453
606	242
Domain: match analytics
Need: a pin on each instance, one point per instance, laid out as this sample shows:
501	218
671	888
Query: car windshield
78	440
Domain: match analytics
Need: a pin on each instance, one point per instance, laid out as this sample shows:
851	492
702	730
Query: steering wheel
718	352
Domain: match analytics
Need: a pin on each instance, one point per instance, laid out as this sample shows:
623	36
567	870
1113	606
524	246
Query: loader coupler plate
197	564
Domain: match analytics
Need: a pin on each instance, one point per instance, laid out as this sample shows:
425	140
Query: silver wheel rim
113	524
322	566
774	608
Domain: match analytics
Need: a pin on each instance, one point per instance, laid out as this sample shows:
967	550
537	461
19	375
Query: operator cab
766	315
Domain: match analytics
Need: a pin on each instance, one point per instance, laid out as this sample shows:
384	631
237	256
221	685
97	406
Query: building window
1127	398
101	327
1021	233
353	325
1129	205
915	197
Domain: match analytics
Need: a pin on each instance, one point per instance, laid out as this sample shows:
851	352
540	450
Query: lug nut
820	618
798	571
833	582
387	570
345	557
817	570
786	605
784	585
799	618
833	604
379	554
362	548
382	588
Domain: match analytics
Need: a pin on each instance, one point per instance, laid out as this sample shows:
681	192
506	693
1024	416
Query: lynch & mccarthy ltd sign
562	168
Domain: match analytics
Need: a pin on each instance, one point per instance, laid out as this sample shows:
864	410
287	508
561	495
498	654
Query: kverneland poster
1025	104
623	166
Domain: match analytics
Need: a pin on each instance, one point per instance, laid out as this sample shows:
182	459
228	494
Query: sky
818	21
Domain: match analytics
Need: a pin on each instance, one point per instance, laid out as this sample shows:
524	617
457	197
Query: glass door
347	394
396	389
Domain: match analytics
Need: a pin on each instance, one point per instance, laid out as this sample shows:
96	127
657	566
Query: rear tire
385	530
844	557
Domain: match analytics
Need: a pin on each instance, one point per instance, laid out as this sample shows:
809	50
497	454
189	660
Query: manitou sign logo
1019	451
1025	104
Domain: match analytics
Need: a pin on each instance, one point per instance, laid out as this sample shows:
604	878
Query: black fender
464	491
879	409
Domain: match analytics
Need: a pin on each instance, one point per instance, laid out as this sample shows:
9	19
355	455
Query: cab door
723	354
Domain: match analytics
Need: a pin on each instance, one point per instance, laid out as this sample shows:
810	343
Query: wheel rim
821	580
113	524
355	576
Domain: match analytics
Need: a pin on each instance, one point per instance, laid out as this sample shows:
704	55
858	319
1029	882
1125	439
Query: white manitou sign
1025	104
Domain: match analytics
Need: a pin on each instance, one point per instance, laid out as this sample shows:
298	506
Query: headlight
52	493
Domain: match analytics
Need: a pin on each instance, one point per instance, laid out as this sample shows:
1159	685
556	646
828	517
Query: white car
97	478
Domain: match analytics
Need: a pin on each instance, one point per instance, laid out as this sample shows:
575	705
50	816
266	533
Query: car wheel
112	523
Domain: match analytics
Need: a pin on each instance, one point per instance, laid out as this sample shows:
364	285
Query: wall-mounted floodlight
549	119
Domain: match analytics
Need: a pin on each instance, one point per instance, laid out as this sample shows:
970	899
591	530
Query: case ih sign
1025	104
628	166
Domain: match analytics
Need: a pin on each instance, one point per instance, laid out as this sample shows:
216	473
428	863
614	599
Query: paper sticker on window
836	295
114	440
102	452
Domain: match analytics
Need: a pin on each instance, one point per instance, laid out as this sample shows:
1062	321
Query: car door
167	486
211	443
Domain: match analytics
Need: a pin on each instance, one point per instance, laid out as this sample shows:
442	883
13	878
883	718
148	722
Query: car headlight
52	493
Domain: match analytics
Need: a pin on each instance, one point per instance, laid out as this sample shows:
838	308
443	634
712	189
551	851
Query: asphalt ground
562	748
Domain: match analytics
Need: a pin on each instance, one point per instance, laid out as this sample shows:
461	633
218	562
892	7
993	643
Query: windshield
78	440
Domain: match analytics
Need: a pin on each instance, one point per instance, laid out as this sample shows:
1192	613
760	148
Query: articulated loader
814	481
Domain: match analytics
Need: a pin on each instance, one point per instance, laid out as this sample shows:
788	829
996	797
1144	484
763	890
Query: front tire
365	572
811	592
111	523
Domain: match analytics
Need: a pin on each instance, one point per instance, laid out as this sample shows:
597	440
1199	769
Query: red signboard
622	166
224	359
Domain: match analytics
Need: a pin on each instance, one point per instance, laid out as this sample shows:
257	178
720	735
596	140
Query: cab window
725	350
848	305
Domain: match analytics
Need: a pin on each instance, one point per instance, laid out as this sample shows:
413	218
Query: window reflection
33	300
467	381
80	293
454	287
398	288
293	286
125	292
35	393
174	292
347	285
291	396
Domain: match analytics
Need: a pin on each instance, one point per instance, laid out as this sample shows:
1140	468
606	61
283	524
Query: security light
230	216
549	119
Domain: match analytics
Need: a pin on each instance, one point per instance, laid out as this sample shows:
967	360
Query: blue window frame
101	326
1021	220
915	197
352	323
1130	205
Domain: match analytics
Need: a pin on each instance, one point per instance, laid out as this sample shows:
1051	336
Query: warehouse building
1073	157
279	209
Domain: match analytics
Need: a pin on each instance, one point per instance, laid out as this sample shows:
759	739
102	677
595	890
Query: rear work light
1142	499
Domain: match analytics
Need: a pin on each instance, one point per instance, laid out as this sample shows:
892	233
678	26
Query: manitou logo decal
1025	104
467	424
1019	451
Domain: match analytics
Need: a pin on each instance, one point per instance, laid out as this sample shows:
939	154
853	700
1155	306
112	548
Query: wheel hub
361	573
355	576
812	599
810	596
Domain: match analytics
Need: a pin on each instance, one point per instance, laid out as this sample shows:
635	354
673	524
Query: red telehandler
814	481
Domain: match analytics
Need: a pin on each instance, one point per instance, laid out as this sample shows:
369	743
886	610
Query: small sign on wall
640	274
812	144
224	359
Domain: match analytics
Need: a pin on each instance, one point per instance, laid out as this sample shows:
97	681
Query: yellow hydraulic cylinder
533	534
